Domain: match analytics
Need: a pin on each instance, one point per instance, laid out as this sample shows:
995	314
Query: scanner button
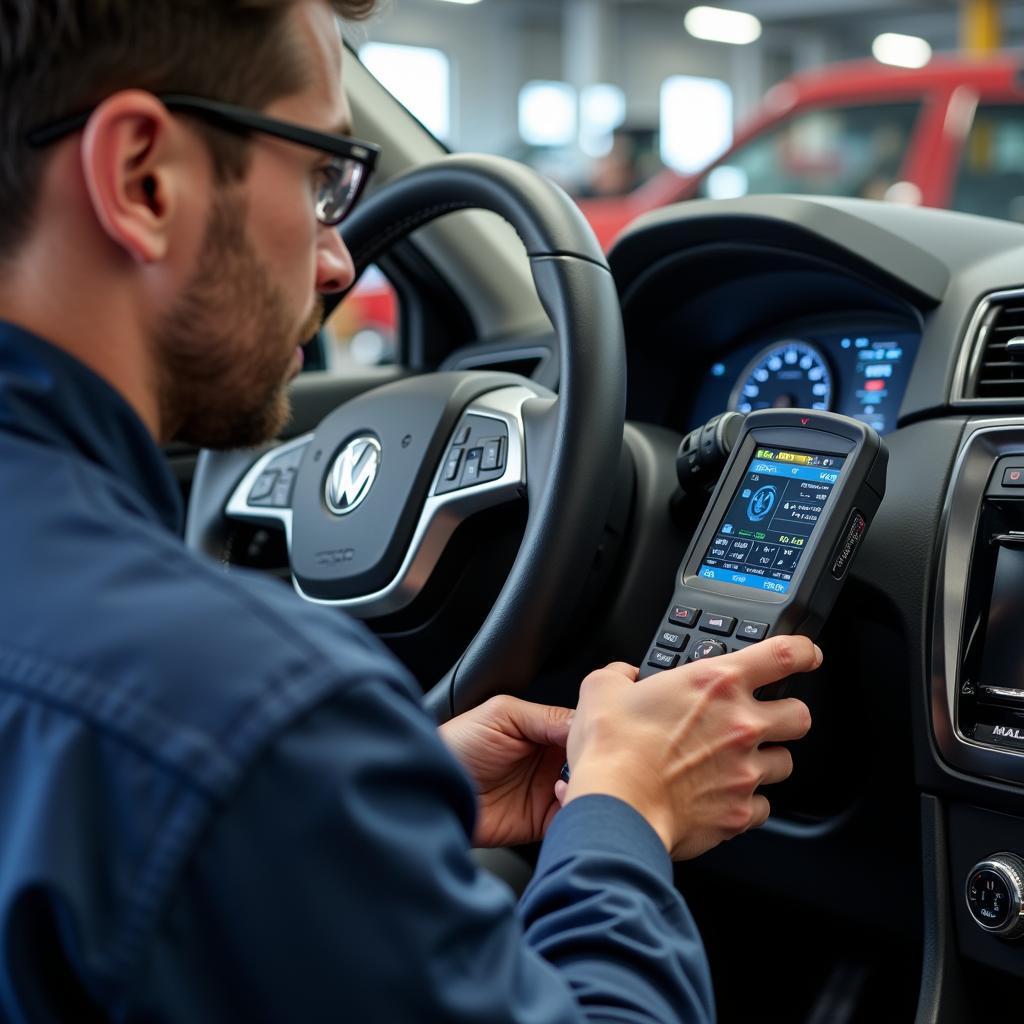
706	649
680	616
721	625
751	630
671	639
662	659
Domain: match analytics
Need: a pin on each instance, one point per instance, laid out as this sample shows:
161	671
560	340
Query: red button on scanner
680	616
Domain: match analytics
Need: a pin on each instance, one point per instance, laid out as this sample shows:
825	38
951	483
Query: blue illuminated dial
788	374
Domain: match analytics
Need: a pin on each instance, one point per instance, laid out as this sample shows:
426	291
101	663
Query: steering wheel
370	498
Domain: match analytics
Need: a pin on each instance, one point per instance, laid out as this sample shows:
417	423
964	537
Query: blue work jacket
220	803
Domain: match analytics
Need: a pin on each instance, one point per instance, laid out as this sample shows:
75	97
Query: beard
224	352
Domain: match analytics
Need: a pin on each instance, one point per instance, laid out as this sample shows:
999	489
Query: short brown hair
59	57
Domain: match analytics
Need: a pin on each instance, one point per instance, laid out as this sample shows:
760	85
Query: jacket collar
51	397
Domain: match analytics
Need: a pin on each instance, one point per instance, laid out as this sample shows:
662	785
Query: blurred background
632	104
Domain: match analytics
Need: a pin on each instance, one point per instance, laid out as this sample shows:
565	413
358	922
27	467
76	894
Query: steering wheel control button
672	640
263	488
1013	476
662	659
477	455
849	542
706	649
680	616
471	471
451	467
492	455
995	895
752	630
282	495
720	625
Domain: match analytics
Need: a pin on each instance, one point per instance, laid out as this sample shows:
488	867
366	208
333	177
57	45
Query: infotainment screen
771	519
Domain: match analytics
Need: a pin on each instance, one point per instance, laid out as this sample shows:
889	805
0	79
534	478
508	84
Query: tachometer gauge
788	374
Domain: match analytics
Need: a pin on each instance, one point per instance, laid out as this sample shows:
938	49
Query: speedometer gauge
788	374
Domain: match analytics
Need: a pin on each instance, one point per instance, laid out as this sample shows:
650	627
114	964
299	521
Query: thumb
542	723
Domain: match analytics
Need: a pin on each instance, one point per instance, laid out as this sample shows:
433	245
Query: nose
335	270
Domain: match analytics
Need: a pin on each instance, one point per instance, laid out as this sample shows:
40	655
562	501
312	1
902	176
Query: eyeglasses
343	179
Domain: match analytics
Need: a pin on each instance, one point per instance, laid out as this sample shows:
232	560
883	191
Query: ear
133	179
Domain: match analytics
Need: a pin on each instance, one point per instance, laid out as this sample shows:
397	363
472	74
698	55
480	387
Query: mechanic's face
229	345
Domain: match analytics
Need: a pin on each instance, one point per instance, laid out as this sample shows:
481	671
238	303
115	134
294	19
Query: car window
362	330
990	179
838	151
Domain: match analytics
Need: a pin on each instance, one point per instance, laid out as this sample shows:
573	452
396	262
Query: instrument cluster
859	371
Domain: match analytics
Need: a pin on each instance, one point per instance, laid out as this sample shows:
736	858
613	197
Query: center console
978	627
977	688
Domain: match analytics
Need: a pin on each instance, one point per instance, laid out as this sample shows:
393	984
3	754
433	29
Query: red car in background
948	135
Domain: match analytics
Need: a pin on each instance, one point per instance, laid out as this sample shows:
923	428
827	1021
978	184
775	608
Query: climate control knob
995	895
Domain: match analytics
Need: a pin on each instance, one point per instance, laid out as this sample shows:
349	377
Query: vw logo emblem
352	475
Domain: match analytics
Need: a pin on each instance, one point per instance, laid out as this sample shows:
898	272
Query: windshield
838	151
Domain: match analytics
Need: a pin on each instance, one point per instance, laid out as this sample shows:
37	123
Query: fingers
750	812
539	723
617	674
760	810
775	764
623	668
561	788
762	663
788	719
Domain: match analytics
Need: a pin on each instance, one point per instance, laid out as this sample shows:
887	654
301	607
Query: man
218	803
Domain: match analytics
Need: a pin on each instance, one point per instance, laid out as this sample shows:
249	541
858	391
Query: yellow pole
980	26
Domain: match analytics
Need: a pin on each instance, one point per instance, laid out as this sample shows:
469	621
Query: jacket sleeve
337	885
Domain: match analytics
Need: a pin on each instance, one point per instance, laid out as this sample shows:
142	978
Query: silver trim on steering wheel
238	506
442	513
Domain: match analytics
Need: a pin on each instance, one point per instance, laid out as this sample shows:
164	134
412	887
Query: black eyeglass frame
241	121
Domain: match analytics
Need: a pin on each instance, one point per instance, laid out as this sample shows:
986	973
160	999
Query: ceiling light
721	26
696	121
903	51
547	113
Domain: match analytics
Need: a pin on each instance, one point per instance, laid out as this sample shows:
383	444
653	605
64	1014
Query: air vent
524	361
997	366
524	367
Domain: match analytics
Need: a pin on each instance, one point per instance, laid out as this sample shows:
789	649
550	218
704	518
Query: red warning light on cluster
874	385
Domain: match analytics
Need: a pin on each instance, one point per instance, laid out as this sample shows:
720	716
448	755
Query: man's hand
688	747
514	751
